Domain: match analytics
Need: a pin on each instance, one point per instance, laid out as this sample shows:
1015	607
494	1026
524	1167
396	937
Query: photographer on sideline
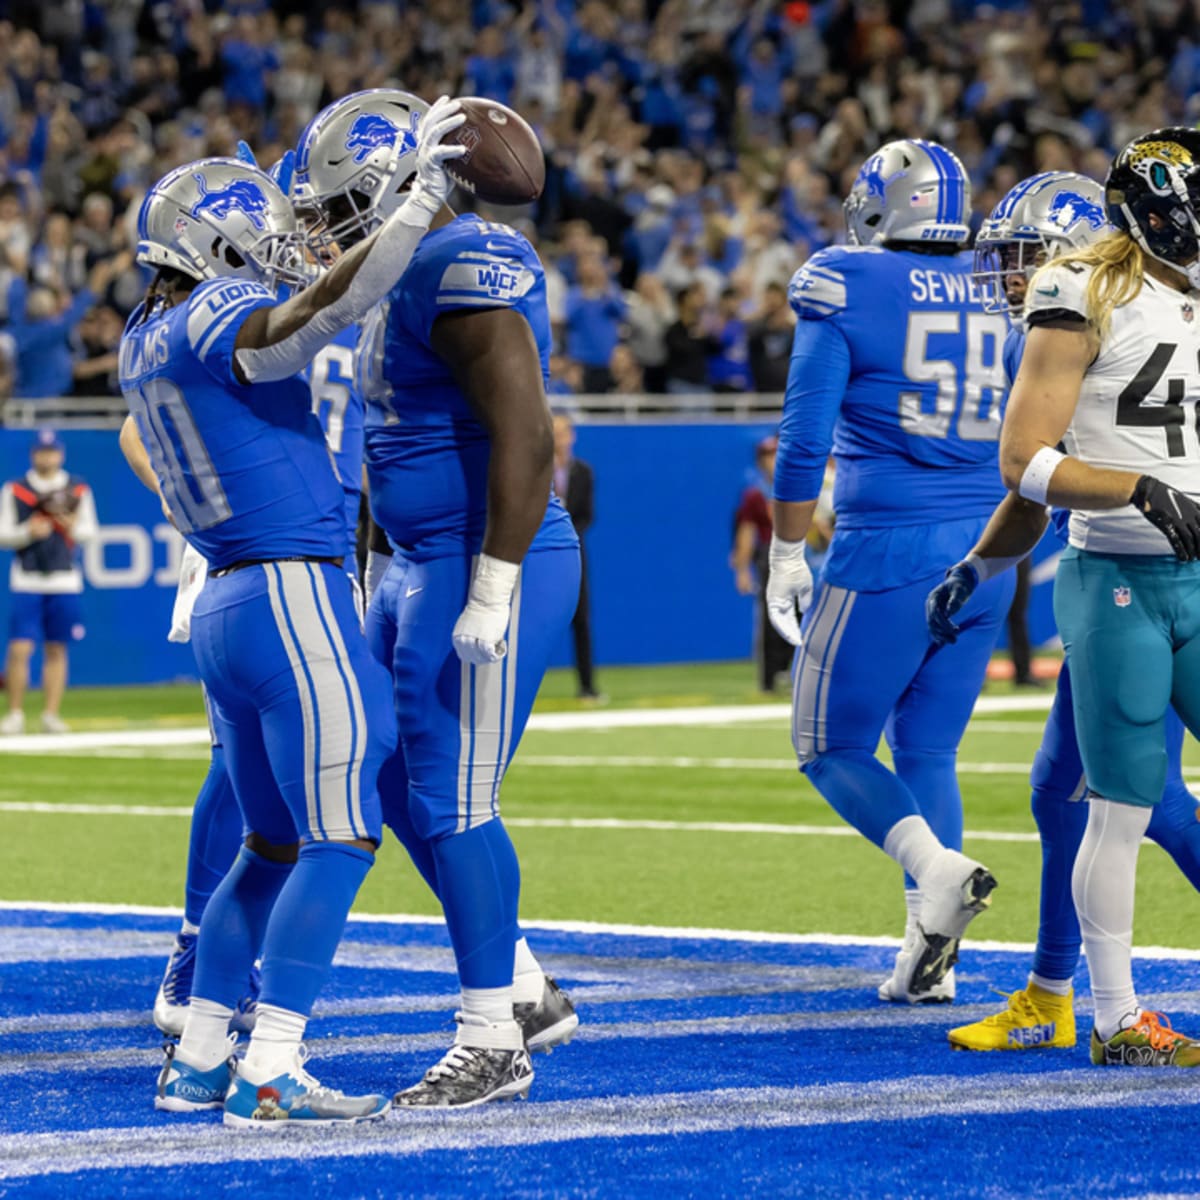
44	516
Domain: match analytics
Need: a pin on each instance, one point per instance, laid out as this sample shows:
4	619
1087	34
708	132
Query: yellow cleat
1034	1018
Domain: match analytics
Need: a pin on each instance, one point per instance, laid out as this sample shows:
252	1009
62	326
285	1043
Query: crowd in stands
698	150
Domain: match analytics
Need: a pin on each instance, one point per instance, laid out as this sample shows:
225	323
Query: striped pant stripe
810	703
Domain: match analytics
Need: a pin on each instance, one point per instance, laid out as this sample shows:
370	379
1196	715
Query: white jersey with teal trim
1139	406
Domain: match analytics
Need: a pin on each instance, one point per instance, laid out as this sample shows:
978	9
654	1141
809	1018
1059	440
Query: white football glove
479	631
789	588
432	185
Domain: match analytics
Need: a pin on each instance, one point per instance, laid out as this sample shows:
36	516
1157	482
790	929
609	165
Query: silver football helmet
1042	217
355	161
909	191
219	217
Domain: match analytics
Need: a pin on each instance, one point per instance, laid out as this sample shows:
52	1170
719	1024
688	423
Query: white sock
486	1020
187	928
913	845
1103	887
205	1040
1060	987
528	977
274	1045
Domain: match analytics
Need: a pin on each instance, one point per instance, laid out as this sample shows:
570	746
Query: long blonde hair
1118	264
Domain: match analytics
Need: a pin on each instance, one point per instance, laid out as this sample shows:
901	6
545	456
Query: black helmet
1158	174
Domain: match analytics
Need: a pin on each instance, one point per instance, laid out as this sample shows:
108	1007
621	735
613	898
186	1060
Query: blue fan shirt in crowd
427	454
44	356
730	366
904	380
339	407
593	325
245	470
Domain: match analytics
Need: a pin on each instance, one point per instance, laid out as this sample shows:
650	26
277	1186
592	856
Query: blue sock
307	923
215	838
1061	822
480	882
235	922
930	776
862	791
1174	826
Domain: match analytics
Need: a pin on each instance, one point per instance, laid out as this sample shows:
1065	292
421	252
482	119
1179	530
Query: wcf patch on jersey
1122	597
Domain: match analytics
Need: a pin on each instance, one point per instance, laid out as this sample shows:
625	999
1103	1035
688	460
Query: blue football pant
867	668
460	725
1061	812
305	717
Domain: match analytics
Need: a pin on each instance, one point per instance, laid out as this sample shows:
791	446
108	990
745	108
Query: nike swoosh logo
493	246
413	592
1048	291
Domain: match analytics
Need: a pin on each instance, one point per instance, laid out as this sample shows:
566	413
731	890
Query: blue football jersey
897	371
245	470
339	407
427	454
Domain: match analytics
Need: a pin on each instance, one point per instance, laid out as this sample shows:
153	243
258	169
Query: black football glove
943	603
1176	515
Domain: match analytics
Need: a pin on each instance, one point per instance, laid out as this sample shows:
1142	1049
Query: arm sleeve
14	534
86	523
817	379
378	273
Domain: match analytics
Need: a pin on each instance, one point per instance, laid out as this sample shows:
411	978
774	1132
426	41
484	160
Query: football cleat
468	1076
893	989
1033	1019
296	1098
954	891
171	1003
550	1022
1148	1041
184	1088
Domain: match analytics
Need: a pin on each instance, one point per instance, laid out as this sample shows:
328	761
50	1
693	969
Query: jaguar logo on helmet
241	195
370	131
1069	208
1154	162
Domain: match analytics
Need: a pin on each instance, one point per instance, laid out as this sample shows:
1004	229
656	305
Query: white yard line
617	718
892	1100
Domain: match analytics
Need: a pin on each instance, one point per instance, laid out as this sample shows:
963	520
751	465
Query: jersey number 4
1132	409
970	381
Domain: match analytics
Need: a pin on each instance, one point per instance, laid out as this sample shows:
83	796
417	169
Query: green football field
636	817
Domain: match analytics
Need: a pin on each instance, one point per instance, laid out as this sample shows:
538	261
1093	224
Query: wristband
989	568
1035	483
494	580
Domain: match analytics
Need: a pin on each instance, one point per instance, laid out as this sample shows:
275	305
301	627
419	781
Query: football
504	162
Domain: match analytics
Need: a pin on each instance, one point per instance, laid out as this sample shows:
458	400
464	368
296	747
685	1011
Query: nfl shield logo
1188	312
1122	597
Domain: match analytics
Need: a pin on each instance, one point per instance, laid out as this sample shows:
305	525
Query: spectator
770	341
95	370
689	344
749	560
728	368
574	483
628	377
649	314
594	310
44	516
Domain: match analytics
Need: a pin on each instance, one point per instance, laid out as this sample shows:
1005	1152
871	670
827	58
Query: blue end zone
702	1067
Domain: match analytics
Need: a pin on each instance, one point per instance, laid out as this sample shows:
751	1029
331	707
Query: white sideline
615	929
621	718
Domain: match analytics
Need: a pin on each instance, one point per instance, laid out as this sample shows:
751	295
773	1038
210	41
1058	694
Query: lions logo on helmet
909	191
1043	216
242	195
371	130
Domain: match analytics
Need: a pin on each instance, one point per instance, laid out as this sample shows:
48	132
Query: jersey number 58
970	380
